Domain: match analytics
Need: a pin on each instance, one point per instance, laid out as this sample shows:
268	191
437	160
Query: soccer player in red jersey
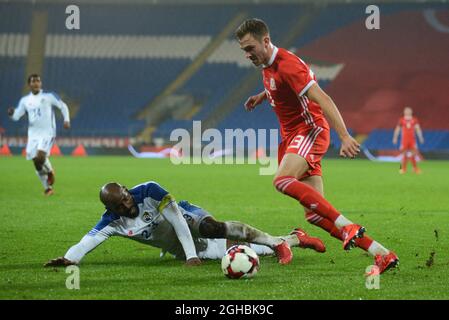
408	125
301	107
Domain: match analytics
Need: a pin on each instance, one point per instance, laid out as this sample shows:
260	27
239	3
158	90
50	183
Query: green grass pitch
407	213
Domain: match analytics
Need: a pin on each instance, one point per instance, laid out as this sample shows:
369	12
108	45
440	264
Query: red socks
323	215
404	163
307	196
363	243
321	222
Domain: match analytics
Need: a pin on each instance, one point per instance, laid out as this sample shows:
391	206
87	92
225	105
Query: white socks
342	221
377	248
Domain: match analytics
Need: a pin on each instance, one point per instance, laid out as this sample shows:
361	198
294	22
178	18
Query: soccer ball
240	261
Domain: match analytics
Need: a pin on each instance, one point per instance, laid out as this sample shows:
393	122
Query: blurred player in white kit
38	104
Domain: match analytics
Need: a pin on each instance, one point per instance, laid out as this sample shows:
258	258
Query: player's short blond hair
256	27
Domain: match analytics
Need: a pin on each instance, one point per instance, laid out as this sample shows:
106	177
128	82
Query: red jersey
286	79
408	128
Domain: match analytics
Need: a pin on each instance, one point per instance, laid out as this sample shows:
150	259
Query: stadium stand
381	139
124	56
14	28
402	64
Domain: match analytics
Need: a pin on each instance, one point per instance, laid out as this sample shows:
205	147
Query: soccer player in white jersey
39	104
149	214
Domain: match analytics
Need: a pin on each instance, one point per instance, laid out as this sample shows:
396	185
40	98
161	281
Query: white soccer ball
240	261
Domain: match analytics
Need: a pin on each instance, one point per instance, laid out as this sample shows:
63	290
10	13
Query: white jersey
150	226
41	116
155	226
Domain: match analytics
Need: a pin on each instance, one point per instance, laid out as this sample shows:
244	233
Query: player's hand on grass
254	101
66	125
193	262
10	111
349	147
60	261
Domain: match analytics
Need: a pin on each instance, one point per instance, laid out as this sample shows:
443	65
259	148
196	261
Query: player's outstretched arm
396	134
349	146
254	101
419	133
58	103
17	113
170	211
77	252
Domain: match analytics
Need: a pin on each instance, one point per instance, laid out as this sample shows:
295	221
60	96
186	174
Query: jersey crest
146	217
272	84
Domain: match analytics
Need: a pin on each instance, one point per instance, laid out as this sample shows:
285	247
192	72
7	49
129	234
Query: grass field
408	213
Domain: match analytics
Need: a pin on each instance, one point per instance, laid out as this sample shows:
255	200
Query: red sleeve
298	76
416	121
400	122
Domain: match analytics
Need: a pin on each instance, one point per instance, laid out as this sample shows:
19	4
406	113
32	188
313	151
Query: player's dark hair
31	76
256	27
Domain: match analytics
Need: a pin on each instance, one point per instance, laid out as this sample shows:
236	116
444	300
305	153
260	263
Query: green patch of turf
407	213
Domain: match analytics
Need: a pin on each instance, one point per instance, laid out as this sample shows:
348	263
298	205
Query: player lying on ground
149	214
39	105
407	126
301	106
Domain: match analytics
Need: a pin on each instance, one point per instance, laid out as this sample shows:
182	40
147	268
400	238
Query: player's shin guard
307	196
242	232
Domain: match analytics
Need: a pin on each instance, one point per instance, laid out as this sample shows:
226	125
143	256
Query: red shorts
309	143
408	144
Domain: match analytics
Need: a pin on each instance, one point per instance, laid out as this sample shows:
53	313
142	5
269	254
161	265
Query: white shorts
36	144
209	248
216	249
